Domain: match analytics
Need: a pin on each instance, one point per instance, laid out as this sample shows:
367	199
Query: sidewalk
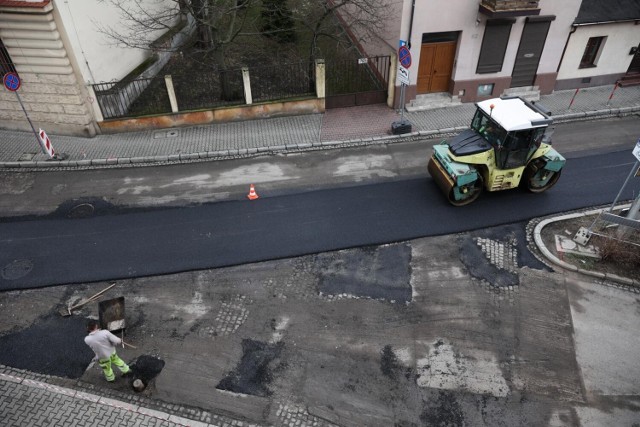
36	400
339	127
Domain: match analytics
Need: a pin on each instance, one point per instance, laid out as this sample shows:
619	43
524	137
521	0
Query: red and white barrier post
46	145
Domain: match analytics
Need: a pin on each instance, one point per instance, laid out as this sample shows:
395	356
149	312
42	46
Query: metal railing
218	88
205	90
358	75
282	81
136	97
196	91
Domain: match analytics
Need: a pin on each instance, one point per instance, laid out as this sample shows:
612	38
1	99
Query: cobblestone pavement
34	402
339	127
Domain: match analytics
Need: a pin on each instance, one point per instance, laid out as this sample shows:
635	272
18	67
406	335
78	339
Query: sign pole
12	83
404	62
31	124
402	89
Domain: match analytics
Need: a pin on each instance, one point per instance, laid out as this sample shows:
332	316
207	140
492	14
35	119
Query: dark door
532	42
436	65
635	62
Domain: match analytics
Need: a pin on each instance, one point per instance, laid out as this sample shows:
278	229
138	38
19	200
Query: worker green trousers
105	364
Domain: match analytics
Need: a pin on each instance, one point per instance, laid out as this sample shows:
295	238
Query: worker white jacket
102	342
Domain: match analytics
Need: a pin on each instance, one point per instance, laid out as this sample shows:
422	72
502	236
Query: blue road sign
404	56
11	81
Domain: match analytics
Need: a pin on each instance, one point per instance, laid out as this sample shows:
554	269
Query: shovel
65	312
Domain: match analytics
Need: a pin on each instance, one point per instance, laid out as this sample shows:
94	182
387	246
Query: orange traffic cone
252	193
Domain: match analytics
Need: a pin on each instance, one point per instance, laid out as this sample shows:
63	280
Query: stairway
630	79
530	93
431	101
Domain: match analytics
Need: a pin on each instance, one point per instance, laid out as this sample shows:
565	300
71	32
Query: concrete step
630	80
432	101
530	93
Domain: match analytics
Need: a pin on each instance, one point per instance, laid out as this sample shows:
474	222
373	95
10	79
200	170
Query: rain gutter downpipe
413	9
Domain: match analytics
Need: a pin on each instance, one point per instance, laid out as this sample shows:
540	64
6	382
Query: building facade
475	50
603	46
58	50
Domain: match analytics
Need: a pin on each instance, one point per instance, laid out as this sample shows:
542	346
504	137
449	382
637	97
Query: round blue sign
11	81
404	56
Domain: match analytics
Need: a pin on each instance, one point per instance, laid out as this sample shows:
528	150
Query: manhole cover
83	210
17	269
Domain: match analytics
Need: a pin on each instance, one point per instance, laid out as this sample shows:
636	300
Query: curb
245	152
537	237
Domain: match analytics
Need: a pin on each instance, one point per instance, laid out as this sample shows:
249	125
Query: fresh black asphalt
45	252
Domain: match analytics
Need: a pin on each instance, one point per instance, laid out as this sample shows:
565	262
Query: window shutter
494	45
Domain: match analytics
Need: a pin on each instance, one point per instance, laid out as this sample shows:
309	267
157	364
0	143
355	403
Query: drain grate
17	269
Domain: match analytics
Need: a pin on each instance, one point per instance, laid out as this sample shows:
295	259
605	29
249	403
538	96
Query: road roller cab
507	145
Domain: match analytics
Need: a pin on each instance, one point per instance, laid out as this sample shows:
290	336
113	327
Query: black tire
474	193
536	179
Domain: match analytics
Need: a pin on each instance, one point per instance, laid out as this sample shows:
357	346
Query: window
485	90
494	45
6	64
590	55
493	133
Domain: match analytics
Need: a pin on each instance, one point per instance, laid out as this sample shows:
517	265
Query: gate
354	82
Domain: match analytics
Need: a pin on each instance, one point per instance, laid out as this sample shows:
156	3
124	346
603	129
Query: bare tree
216	24
334	19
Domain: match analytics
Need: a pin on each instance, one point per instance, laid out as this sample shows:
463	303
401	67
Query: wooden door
436	66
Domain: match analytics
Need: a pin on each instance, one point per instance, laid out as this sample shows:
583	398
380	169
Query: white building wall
614	58
99	58
433	16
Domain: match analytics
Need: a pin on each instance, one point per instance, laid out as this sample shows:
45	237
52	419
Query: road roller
508	145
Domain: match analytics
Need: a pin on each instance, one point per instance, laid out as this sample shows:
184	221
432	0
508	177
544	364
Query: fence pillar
246	82
391	85
321	84
172	93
